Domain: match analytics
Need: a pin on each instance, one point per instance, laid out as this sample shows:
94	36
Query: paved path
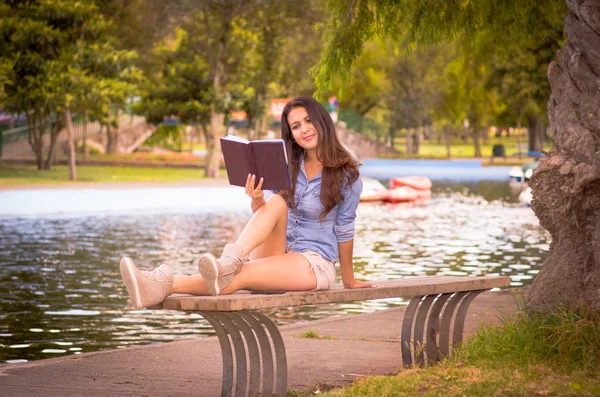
362	345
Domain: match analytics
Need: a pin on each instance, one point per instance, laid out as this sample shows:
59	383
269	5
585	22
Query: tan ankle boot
219	273
146	288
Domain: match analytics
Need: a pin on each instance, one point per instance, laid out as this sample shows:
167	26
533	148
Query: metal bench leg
426	321
249	336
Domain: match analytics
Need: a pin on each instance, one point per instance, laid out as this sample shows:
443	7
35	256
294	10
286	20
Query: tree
566	185
182	89
61	54
522	76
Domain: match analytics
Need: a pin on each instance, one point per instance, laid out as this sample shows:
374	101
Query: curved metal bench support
256	355
422	317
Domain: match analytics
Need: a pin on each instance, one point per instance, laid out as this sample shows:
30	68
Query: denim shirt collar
303	169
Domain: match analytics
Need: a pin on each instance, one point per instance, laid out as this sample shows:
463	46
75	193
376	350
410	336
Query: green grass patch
312	334
548	354
15	175
458	149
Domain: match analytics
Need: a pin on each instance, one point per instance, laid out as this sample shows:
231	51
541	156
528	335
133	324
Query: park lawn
552	354
458	149
15	175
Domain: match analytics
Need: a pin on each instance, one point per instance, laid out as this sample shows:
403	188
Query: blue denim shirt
304	229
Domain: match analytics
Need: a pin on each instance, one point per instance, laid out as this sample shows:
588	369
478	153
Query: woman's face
304	132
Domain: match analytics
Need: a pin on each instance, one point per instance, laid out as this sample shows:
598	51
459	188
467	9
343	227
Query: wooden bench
255	341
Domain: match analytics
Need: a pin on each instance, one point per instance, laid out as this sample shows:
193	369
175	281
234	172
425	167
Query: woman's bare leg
286	272
265	233
189	285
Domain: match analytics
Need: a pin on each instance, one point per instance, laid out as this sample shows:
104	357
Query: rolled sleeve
344	225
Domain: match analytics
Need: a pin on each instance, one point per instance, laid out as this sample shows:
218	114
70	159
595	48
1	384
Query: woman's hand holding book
257	194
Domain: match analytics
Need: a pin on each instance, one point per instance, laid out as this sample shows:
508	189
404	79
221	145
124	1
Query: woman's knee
277	203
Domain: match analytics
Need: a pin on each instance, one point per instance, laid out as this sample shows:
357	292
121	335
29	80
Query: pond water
61	293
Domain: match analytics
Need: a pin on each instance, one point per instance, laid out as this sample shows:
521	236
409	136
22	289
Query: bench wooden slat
403	287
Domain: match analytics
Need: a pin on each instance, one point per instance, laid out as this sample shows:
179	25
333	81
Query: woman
295	236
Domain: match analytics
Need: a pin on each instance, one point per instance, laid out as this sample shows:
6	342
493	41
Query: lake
60	288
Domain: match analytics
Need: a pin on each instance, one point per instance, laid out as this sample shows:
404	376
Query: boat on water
525	197
405	189
522	174
373	190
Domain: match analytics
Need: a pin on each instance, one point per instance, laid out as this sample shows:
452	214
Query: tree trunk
85	150
409	141
69	123
112	139
112	135
448	140
476	145
212	145
486	136
34	129
54	131
535	133
418	139
566	185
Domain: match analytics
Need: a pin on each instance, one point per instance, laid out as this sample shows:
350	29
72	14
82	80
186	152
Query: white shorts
323	268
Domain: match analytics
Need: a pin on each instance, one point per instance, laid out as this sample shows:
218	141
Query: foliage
351	24
167	136
61	58
448	61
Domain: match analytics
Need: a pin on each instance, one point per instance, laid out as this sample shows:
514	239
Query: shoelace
157	275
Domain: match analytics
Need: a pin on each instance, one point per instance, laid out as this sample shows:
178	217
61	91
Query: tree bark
84	149
409	141
212	148
566	185
112	135
418	139
535	133
54	131
35	132
448	140
69	123
476	145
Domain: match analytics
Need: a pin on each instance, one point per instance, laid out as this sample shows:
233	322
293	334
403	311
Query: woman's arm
258	196
346	252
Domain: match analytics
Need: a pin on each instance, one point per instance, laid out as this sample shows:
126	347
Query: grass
528	355
312	334
458	149
16	175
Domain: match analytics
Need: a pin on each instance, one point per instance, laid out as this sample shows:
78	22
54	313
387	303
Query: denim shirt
304	229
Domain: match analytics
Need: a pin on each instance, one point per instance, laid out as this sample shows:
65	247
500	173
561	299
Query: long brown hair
339	169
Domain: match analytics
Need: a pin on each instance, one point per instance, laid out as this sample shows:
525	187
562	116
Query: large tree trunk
84	147
112	135
69	123
535	133
476	144
566	185
54	131
35	129
448	140
212	145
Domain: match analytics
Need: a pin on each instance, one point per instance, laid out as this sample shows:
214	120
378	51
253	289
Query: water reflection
61	294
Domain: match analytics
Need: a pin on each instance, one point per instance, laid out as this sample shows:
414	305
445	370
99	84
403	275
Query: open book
264	158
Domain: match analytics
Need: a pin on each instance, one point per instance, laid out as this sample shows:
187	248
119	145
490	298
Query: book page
236	138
